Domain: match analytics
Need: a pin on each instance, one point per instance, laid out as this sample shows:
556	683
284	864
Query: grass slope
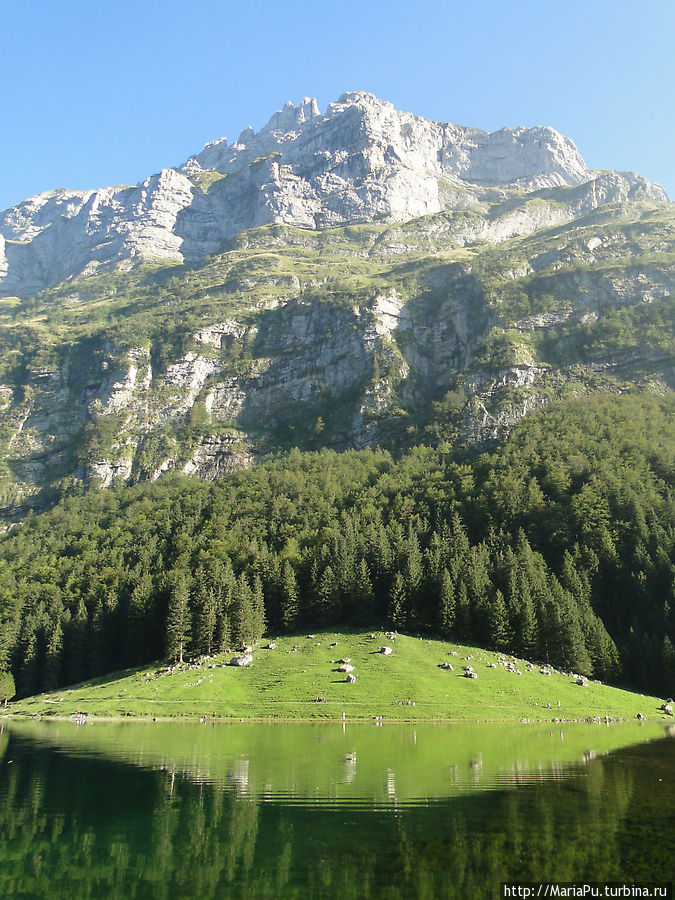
285	682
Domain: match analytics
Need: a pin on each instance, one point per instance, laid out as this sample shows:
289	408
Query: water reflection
393	765
83	825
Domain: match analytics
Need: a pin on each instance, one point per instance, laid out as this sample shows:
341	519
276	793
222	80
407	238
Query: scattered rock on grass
244	660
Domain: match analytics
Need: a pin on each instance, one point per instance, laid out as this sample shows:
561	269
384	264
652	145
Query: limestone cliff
363	161
355	278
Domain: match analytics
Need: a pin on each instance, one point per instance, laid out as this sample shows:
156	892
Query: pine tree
179	620
30	657
363	597
248	610
500	633
327	600
224	583
433	557
383	557
572	581
242	610
462	611
477	579
560	631
289	597
459	539
76	668
524	626
208	621
139	616
258	610
413	562
602	649
53	658
223	631
96	639
398	602
446	604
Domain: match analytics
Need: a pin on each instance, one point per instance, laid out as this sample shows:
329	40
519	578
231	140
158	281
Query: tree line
557	546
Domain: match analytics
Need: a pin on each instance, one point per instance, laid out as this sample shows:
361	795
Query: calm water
295	811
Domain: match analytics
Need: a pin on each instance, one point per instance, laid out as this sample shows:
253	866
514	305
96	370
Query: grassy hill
286	681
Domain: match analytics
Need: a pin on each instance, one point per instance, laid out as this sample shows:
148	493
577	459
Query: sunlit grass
285	683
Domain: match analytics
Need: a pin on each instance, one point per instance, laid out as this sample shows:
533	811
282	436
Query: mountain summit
363	161
361	277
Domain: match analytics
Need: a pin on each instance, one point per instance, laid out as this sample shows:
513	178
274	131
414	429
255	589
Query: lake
157	810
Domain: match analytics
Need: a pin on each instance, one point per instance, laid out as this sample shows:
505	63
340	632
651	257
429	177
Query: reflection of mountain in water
84	828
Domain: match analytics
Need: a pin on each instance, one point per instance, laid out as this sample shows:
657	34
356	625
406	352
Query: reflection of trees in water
84	829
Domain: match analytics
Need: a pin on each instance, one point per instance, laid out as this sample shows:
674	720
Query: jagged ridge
363	161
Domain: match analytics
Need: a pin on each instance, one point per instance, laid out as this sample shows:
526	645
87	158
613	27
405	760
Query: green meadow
298	679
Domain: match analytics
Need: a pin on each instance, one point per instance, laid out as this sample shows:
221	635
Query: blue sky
108	93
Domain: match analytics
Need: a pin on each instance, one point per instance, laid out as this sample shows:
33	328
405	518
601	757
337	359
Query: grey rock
362	161
244	660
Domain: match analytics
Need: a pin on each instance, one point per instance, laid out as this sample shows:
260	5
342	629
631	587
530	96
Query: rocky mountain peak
362	161
362	99
292	117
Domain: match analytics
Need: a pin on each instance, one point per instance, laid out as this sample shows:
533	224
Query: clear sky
100	93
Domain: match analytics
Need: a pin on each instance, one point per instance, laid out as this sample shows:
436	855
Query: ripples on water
295	811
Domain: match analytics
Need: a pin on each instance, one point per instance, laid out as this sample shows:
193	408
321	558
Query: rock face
362	161
388	281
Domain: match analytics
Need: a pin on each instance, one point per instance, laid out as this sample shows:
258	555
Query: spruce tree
289	597
223	631
208	621
446	604
258	620
139	616
382	556
525	629
326	600
53	658
398	602
76	667
500	632
462	611
363	597
179	620
30	658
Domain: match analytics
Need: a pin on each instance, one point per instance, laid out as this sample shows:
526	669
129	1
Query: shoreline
353	720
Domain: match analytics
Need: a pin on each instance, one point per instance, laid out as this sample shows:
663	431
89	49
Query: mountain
350	279
364	161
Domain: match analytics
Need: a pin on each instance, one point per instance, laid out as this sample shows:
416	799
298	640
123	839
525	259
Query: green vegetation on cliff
339	338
